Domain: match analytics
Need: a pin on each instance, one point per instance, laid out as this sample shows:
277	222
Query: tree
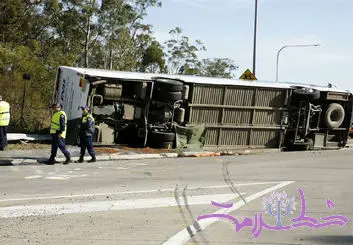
180	53
76	24
126	37
153	60
15	62
217	67
20	21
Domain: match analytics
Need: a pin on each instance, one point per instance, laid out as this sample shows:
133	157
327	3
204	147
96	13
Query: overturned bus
177	111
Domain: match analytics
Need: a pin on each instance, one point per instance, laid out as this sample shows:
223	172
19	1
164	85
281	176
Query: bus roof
194	79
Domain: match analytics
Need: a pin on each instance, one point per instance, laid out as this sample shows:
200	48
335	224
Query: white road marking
116	168
183	236
34	177
135	192
69	208
65	177
57	178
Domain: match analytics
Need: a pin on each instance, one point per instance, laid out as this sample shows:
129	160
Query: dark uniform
86	134
58	134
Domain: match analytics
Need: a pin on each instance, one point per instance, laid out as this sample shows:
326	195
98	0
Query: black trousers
3	137
87	142
58	142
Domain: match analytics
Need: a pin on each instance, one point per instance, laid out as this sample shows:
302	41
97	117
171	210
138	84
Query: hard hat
84	107
56	104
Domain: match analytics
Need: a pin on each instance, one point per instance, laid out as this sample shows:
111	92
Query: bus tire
306	94
167	96
163	145
170	85
158	136
334	115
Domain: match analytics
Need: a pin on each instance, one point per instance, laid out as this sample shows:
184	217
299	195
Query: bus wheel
334	115
170	85
164	145
159	139
167	96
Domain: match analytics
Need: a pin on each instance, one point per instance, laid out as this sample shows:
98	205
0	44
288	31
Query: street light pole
255	30
291	46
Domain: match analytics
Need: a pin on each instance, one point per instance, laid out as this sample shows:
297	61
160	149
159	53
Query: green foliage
38	36
182	57
15	62
180	52
216	67
153	60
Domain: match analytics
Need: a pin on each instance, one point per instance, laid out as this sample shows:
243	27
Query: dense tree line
37	36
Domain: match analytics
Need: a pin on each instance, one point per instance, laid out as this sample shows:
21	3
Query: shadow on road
331	239
5	162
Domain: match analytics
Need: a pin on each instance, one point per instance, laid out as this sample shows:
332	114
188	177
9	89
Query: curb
102	158
111	157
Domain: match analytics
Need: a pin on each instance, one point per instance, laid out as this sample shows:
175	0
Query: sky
226	27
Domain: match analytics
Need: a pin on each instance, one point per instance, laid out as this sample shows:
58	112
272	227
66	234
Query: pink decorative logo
279	205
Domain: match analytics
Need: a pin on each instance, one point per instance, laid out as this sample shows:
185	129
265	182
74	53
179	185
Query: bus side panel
72	92
238	117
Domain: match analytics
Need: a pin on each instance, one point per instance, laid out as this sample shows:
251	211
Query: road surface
160	201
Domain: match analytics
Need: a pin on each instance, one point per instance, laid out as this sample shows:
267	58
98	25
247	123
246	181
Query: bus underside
159	113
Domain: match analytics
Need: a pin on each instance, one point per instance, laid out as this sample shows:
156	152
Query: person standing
58	129
86	134
4	122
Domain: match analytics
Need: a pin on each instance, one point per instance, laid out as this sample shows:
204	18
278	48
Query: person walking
58	130
4	122
86	134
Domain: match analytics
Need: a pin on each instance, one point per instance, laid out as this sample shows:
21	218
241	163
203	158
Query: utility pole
255	32
23	123
291	46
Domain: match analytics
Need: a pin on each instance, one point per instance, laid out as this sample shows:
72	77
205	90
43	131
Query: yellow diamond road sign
247	75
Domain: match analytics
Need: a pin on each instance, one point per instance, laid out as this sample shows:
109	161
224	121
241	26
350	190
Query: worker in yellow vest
58	129
87	129
4	122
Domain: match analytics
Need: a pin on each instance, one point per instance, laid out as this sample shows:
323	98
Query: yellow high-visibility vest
84	119
4	113
55	123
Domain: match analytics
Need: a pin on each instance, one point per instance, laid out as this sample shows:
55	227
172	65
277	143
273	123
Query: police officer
58	129
86	134
4	122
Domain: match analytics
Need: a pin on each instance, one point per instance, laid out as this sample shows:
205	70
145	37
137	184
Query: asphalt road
159	201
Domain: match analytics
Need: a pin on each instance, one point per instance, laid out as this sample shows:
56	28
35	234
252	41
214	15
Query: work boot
80	160
93	159
68	160
50	161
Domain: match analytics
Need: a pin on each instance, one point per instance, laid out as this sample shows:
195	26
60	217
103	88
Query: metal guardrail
27	137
